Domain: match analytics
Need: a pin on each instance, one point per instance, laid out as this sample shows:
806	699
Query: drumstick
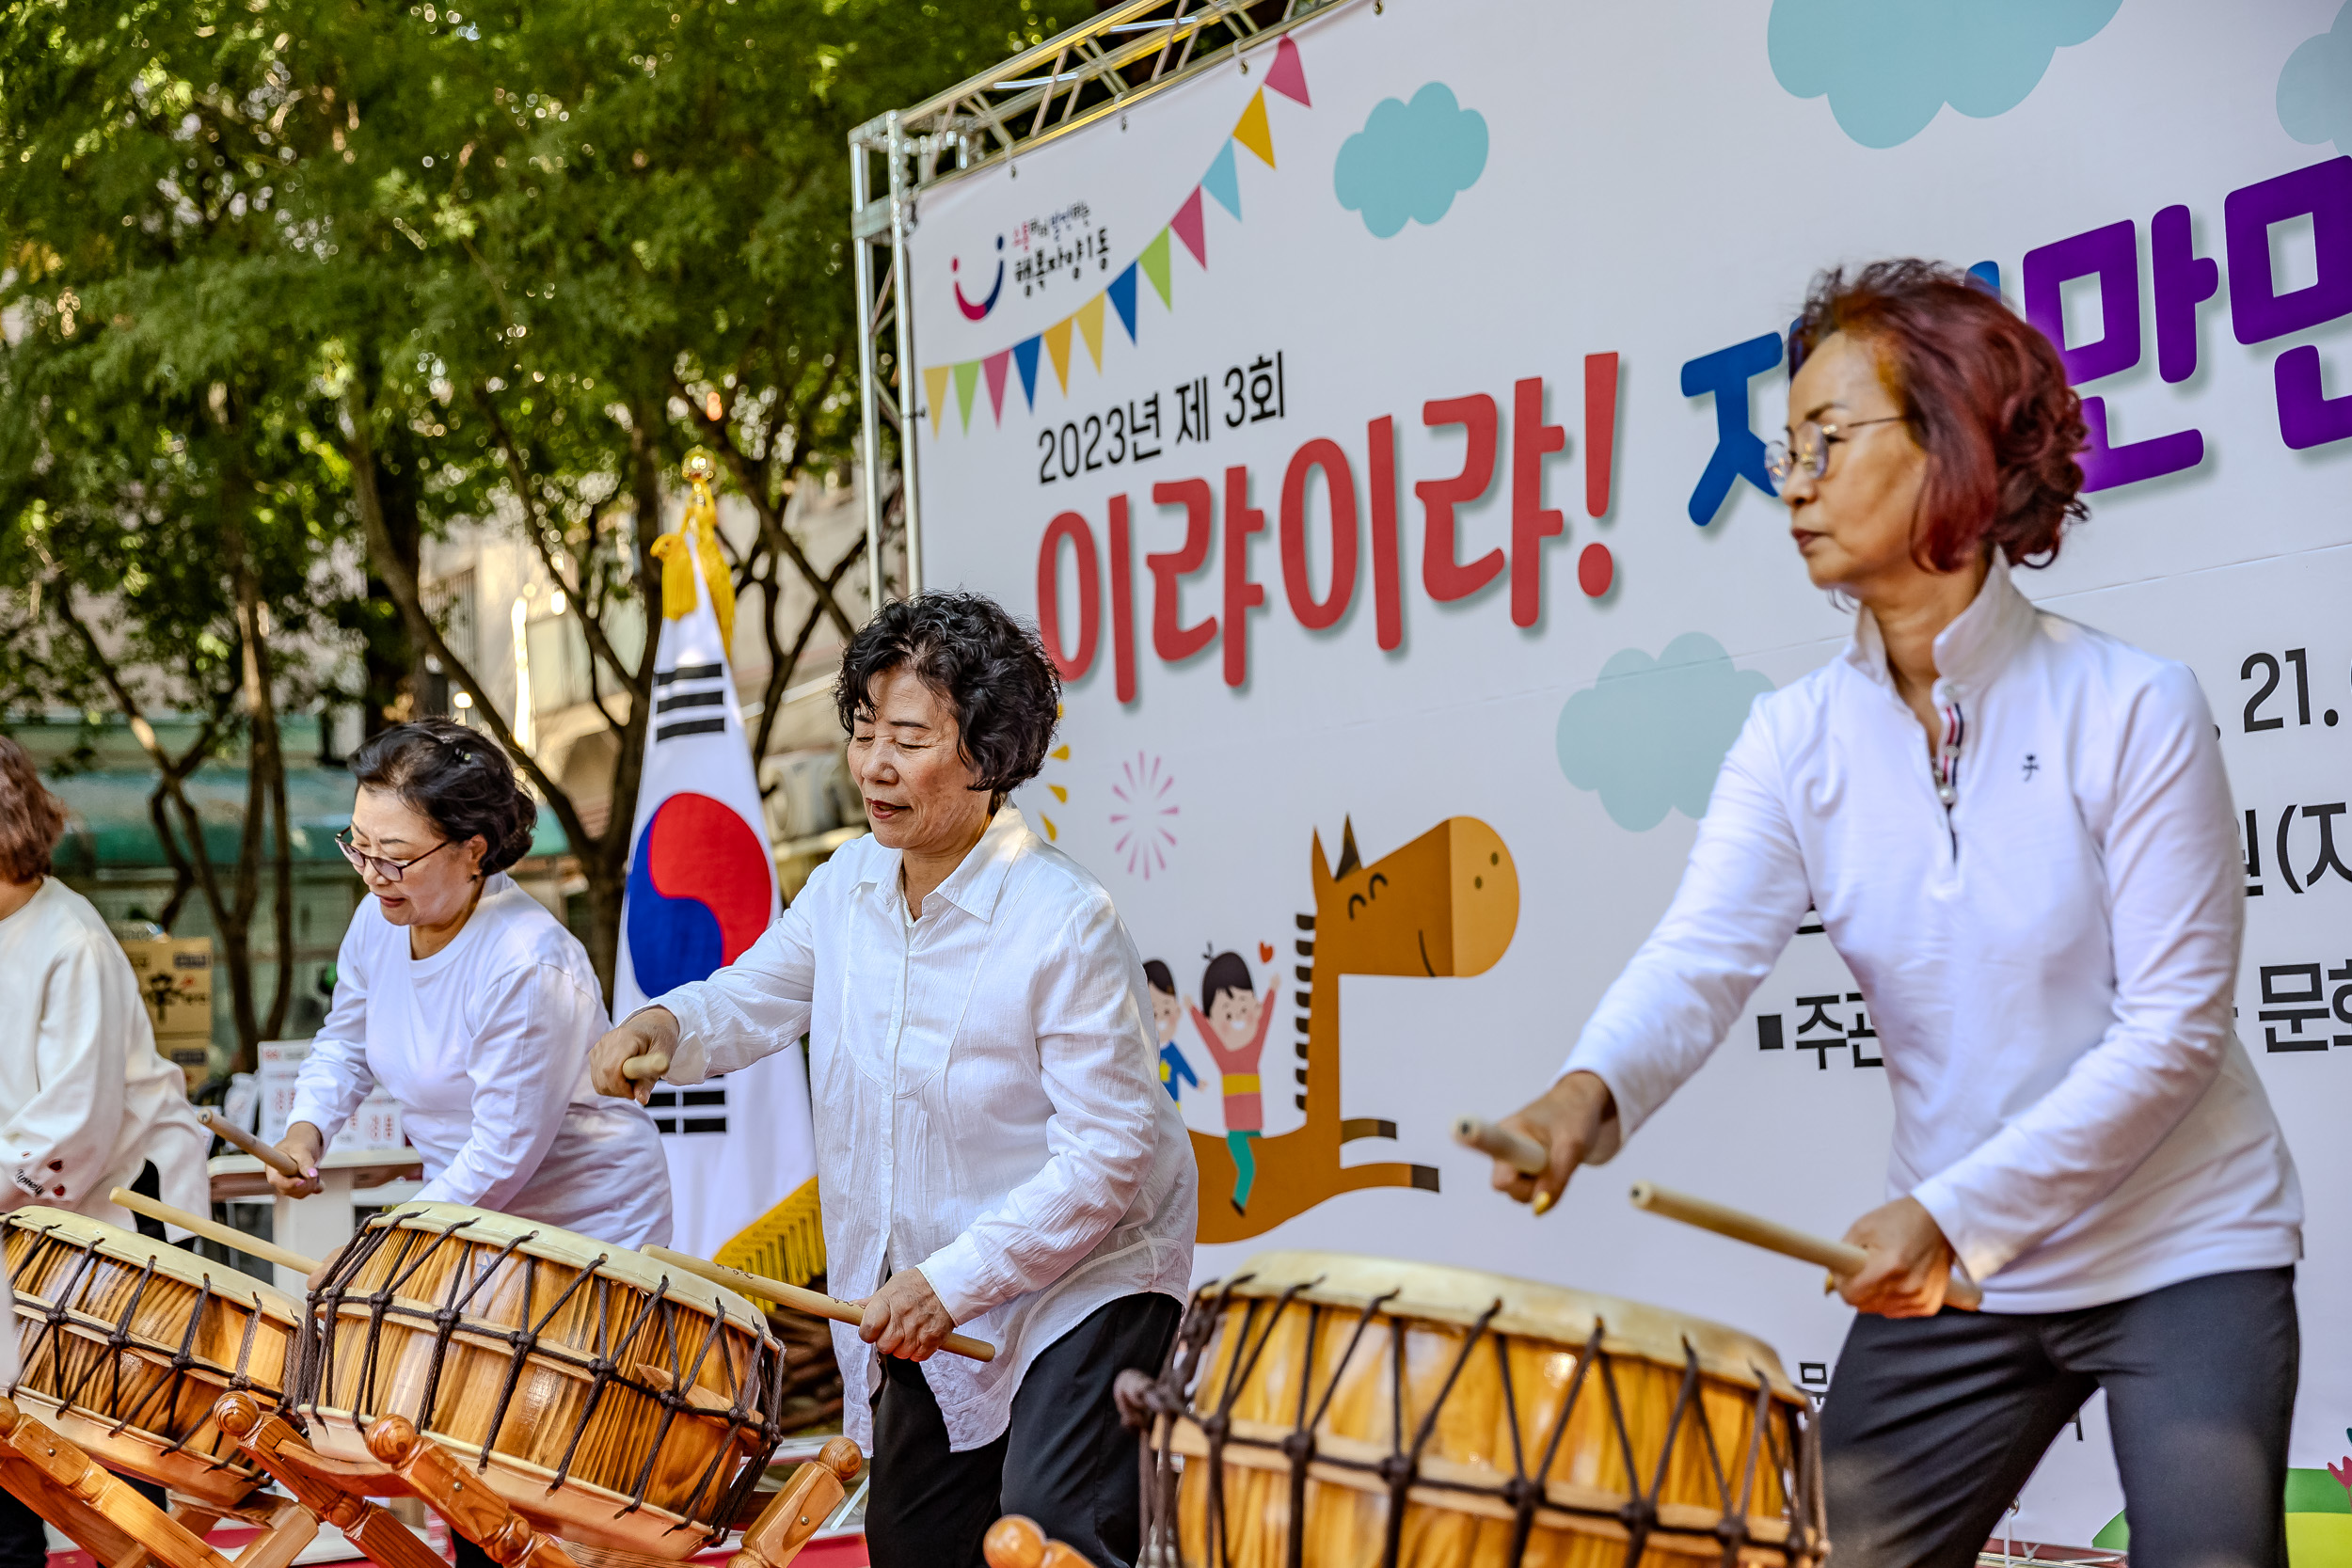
235	1241
275	1158
646	1069
1840	1257
1518	1150
812	1302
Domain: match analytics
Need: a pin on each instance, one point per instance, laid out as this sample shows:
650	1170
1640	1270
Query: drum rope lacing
56	1317
1167	1402
752	1429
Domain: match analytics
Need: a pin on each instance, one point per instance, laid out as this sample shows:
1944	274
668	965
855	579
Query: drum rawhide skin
1325	1411
126	1342
616	1404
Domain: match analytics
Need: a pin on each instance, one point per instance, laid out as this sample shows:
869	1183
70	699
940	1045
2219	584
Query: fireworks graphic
1142	821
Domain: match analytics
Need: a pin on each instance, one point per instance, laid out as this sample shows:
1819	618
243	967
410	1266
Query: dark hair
31	819
1227	971
991	667
457	778
1157	974
1983	392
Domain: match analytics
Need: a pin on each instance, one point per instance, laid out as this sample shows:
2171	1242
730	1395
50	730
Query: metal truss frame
1103	67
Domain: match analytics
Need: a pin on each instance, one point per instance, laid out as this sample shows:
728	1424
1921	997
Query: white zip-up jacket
2050	962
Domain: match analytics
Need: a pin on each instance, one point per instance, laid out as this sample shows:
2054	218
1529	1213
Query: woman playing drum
87	1104
471	1005
994	1147
2018	834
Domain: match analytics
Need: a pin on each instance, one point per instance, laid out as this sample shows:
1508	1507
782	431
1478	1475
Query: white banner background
1649	189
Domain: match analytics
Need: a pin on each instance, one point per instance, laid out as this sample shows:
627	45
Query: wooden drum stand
122	1529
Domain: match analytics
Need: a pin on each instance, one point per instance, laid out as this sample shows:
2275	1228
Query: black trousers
1064	1461
22	1543
1932	1425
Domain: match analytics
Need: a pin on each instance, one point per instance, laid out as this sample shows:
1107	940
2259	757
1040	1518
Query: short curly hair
1983	392
459	779
31	819
991	668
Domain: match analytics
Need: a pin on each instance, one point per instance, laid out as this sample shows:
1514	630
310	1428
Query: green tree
445	265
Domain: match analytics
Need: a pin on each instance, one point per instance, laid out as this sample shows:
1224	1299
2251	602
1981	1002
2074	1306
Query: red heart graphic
1265	952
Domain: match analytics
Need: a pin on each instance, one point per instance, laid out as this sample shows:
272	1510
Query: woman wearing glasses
2019	836
471	1005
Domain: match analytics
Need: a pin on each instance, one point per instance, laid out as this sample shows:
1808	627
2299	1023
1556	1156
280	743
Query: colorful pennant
1222	182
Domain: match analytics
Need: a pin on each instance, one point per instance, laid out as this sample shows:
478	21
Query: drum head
1438	1293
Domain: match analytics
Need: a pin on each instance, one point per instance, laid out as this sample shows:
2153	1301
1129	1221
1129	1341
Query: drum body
617	1403
1328	1411
127	1342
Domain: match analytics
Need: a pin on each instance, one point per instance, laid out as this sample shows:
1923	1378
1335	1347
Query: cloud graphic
2316	88
1889	65
1651	733
1411	160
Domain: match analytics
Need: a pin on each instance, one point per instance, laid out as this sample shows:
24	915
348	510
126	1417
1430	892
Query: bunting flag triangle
1288	78
935	392
1024	355
1122	296
967	377
1187	226
1254	133
995	365
1155	265
1090	320
1222	181
1057	346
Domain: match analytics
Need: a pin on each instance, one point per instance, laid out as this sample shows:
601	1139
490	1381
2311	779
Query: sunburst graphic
1060	792
1144	826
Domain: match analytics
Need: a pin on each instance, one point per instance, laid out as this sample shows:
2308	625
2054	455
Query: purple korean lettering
2111	255
2258	312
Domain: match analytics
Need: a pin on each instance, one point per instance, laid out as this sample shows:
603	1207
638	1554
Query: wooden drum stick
1521	1153
802	1300
276	1159
1839	1258
646	1069
235	1241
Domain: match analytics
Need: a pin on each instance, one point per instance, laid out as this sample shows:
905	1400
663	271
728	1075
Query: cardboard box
176	982
174	976
376	1125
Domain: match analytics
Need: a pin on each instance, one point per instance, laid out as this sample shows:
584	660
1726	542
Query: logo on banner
698	891
980	312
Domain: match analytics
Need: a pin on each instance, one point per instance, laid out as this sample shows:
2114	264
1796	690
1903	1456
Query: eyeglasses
1807	448
390	870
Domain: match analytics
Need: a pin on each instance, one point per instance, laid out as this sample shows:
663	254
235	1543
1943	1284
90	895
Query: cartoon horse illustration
1445	905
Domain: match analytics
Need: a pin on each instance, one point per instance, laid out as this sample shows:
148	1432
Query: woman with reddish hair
86	1104
2018	834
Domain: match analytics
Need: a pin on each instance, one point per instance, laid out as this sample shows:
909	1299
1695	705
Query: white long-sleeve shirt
2050	967
85	1099
485	1047
988	1104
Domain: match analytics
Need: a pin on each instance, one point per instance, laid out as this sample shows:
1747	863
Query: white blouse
485	1047
2051	964
988	1104
86	1100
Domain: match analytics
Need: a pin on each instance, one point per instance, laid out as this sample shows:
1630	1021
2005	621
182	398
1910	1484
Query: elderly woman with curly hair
993	1149
2019	836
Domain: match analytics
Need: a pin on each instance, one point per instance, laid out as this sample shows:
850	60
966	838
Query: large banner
1374	426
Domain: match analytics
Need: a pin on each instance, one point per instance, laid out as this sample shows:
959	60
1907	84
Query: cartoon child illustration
1166	1011
1234	1030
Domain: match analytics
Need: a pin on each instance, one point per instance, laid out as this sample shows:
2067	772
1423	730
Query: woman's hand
303	1143
1911	1263
652	1032
1566	1121
904	1319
